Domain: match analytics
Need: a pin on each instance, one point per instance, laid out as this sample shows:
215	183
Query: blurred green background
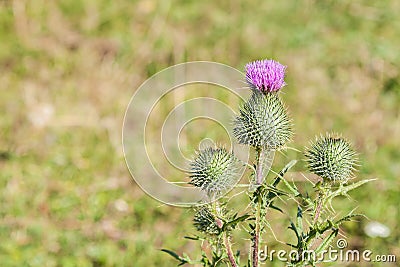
68	69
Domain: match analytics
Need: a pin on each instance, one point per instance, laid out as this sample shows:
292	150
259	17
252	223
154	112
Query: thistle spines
205	221
263	122
332	158
214	170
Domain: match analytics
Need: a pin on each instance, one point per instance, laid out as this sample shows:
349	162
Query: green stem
256	237
257	230
259	170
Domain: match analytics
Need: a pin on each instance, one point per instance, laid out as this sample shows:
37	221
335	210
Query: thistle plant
263	123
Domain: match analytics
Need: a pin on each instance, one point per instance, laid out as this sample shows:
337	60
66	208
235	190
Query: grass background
68	69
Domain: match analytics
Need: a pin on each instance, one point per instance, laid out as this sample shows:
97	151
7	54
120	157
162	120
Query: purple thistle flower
265	75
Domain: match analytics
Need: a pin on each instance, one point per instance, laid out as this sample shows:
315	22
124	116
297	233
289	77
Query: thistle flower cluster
263	123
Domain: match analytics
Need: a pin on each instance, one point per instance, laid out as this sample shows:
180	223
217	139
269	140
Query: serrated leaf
299	219
291	245
343	190
327	241
176	256
275	208
193	237
348	218
237	257
234	222
285	169
293	227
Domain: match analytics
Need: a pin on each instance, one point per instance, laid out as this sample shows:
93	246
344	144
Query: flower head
215	171
205	221
265	75
263	122
331	158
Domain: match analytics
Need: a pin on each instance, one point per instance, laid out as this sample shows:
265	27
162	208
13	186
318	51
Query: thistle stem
226	239
320	201
318	209
259	181
259	175
256	237
228	247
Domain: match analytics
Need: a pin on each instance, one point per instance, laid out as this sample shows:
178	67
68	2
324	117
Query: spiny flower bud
263	122
215	171
331	158
205	221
